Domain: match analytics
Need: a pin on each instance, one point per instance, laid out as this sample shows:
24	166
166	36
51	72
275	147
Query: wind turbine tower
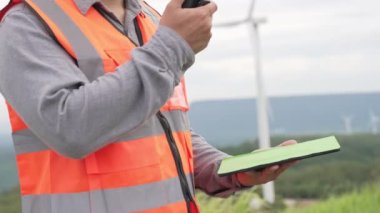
375	122
347	122
261	101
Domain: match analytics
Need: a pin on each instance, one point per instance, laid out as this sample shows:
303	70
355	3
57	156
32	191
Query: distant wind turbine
347	122
262	103
374	122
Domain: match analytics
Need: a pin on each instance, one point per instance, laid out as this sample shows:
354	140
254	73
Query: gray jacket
45	86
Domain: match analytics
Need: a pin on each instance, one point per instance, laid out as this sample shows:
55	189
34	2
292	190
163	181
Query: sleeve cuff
177	40
172	49
236	186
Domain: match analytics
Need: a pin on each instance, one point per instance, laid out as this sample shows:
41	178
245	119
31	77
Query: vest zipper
172	144
138	32
177	159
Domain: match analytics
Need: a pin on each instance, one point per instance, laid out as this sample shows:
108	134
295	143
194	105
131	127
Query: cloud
308	47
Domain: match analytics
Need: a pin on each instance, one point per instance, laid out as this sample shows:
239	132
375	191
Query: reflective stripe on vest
113	200
137	172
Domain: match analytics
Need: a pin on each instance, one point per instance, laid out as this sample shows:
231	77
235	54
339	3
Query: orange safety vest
150	170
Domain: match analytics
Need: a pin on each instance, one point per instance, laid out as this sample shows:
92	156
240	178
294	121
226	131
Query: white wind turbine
374	122
262	102
347	122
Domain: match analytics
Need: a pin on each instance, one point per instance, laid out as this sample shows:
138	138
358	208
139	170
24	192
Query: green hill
366	200
10	201
238	203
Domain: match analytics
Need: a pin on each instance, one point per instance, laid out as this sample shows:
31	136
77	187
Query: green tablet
263	158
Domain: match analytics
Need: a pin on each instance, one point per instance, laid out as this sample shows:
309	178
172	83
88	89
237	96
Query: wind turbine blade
251	8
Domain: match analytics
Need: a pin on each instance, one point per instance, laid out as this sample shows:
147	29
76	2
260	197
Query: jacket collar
85	5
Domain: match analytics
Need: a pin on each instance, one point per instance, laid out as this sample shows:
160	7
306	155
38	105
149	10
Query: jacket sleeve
71	115
206	163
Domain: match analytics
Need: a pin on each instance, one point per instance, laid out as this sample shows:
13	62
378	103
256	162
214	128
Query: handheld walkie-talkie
194	3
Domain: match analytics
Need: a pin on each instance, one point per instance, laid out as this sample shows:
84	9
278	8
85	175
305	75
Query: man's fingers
249	178
266	175
269	173
211	8
289	142
273	172
285	166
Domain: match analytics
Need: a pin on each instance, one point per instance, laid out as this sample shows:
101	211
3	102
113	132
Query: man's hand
268	174
193	24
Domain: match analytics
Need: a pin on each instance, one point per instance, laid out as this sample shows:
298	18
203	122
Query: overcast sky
308	47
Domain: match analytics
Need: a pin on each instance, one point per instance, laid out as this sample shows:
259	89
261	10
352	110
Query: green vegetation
8	171
241	202
365	200
10	201
238	203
